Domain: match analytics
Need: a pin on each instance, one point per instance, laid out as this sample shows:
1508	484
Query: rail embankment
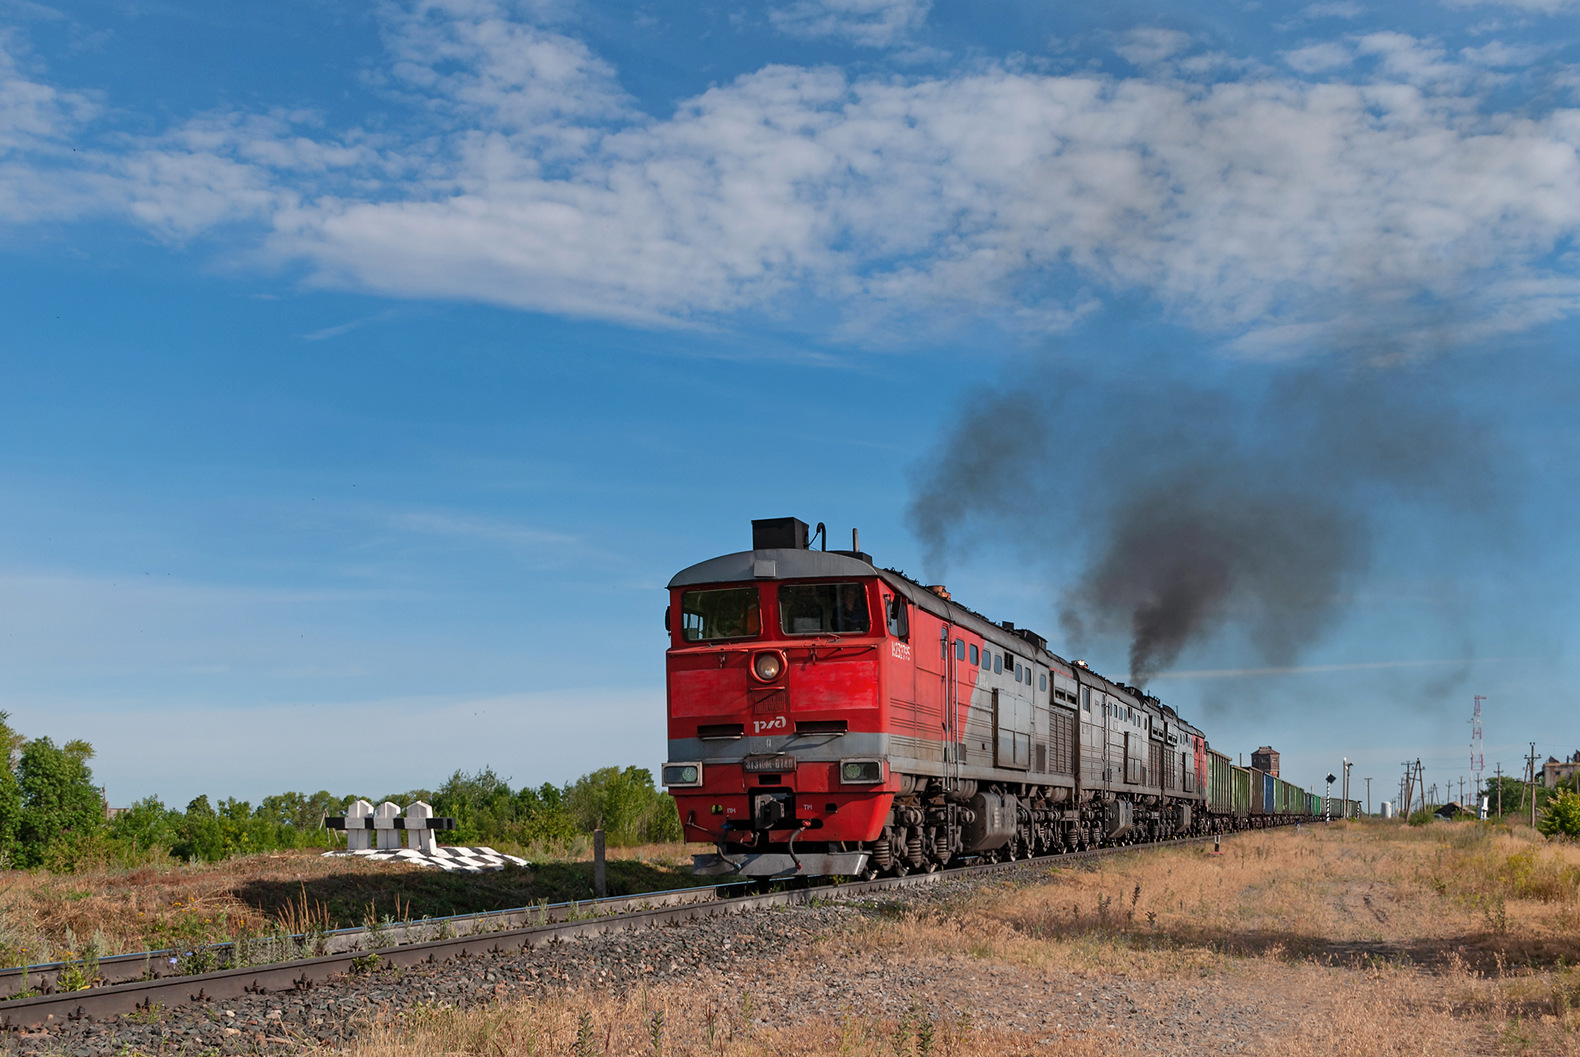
1358	938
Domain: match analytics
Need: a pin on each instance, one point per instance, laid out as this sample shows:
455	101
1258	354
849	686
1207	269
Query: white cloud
32	114
868	23
1340	9
1314	58
1248	206
1498	53
1149	46
471	59
37	123
1546	7
1271	210
1413	61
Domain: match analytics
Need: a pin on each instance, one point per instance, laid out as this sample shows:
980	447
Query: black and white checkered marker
451	860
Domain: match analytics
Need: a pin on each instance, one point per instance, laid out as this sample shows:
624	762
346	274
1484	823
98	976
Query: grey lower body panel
781	864
809	747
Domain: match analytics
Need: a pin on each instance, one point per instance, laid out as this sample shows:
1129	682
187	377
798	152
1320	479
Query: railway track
126	991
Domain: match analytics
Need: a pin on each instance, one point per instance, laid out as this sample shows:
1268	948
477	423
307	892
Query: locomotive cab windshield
824	609
708	616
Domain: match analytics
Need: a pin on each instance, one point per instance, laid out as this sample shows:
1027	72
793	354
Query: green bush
631	810
1562	815
60	803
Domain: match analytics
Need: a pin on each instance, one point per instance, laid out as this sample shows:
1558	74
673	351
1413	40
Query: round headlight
688	774
768	666
852	772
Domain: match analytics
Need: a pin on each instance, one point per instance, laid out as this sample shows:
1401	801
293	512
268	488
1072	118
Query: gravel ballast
720	954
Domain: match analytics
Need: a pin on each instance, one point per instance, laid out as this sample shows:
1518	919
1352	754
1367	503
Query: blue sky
367	369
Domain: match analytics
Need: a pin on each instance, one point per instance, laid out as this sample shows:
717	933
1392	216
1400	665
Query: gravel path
722	955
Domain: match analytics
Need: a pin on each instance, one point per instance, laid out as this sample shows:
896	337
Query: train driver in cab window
853	619
821	609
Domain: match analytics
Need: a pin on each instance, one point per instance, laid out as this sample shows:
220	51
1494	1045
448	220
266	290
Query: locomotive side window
899	618
1042	682
960	649
824	609
975	659
998	664
733	613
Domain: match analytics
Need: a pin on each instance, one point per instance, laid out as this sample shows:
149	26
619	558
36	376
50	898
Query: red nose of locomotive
777	719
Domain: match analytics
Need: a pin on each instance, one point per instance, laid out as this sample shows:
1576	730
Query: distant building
1555	770
1265	759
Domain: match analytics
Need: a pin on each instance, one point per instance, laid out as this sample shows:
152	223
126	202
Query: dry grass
677	1021
1353	894
1355	939
169	904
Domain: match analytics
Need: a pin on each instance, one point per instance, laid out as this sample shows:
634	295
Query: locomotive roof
788	564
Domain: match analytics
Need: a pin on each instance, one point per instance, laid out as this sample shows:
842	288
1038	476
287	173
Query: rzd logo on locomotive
900	650
769	724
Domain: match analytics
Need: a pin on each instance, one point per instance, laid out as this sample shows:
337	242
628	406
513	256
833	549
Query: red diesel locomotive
830	717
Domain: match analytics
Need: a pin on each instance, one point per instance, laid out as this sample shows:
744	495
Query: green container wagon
1241	782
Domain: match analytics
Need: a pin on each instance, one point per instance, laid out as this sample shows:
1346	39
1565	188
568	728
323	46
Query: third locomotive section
828	716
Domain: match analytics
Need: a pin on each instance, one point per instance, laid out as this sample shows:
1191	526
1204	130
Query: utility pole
1368	797
1462	791
1533	786
1344	788
1499	772
1477	761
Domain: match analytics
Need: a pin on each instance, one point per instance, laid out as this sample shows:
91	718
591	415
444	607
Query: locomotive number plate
759	764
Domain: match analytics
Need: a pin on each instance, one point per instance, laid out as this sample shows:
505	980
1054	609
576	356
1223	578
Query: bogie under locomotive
830	717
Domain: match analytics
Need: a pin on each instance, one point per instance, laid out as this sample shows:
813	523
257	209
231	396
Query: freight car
827	716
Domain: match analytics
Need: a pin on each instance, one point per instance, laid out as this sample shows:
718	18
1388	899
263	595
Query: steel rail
156	964
302	974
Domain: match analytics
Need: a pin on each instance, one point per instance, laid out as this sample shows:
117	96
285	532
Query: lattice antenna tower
1476	760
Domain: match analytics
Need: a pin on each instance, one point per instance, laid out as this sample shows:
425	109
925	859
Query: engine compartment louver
822	726
721	731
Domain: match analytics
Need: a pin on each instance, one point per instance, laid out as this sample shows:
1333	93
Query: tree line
52	815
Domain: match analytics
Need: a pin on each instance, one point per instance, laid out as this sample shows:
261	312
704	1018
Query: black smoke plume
1208	496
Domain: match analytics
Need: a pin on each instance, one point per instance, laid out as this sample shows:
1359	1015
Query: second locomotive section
829	717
